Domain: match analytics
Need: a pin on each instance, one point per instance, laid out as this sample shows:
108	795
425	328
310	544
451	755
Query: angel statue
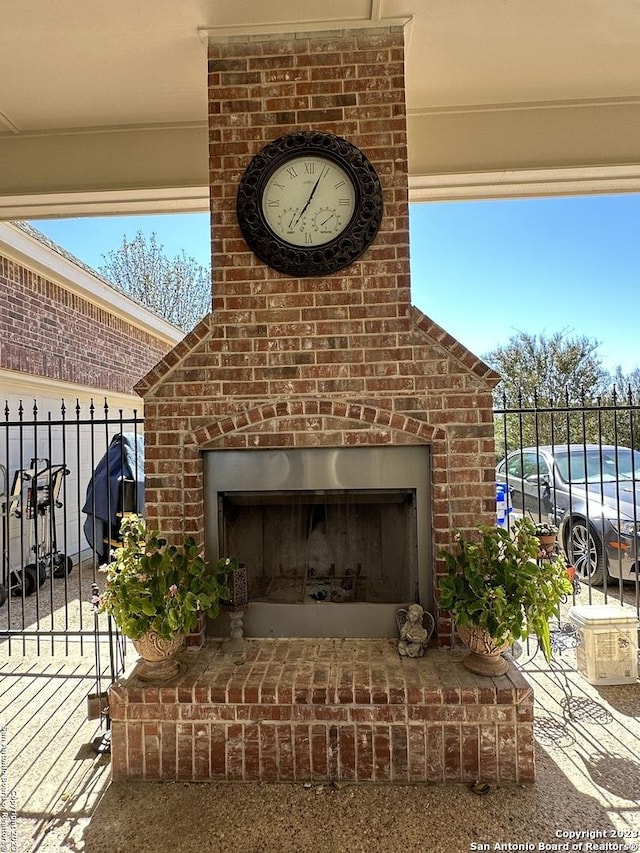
413	634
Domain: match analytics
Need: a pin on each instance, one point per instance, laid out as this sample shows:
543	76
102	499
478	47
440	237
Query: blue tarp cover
124	460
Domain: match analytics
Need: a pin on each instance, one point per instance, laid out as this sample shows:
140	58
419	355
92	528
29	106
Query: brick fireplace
303	364
286	369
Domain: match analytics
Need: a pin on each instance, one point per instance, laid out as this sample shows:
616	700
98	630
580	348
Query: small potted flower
156	592
547	534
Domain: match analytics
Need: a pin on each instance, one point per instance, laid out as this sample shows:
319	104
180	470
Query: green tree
619	418
545	377
626	385
178	289
551	369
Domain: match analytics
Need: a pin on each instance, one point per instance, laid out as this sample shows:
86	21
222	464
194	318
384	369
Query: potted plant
546	534
156	592
499	592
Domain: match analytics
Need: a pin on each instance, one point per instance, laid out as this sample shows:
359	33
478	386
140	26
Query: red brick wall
325	711
46	330
342	360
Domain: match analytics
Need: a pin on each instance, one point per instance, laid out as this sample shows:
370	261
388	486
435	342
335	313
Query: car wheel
586	553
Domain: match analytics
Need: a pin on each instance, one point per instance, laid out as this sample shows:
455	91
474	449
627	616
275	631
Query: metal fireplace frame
323	469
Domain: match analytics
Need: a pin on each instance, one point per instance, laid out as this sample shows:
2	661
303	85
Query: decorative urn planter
547	537
485	654
158	591
158	656
498	590
548	544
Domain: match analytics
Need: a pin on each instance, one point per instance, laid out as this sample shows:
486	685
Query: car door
509	471
536	478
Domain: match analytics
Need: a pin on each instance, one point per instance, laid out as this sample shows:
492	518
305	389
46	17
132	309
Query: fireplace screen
335	539
333	546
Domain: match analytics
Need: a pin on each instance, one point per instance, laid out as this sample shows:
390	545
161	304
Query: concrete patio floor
588	781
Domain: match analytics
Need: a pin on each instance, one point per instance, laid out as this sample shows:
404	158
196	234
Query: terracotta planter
547	543
485	657
158	662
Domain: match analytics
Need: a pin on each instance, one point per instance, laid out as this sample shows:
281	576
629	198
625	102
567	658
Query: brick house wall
72	347
48	330
305	362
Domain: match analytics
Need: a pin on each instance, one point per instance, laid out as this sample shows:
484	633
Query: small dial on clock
290	224
327	222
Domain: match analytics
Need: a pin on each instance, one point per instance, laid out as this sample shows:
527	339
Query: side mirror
542	479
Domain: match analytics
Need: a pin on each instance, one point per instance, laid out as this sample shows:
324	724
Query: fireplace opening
330	546
335	539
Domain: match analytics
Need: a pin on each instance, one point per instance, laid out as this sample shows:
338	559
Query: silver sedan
592	493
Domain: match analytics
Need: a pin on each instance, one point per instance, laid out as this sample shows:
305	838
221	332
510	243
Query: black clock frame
301	261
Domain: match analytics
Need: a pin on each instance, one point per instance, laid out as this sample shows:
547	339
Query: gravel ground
588	781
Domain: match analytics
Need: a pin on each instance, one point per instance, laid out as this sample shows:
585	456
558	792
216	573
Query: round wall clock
309	203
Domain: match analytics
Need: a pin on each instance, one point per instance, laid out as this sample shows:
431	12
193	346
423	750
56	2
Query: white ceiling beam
104	159
493	151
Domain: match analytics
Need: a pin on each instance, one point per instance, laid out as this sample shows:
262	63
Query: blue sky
483	270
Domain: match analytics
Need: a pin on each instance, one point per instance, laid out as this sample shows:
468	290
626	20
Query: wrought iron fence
64	481
577	467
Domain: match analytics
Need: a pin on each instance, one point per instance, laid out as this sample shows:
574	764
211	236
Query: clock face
309	200
309	203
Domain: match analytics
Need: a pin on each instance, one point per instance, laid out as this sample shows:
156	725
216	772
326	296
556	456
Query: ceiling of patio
103	104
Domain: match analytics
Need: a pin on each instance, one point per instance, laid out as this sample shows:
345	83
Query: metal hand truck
39	506
4	532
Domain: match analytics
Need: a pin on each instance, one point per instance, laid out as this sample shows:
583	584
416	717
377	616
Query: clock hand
324	221
315	187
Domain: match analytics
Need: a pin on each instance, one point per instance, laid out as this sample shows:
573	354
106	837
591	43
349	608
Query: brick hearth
323	711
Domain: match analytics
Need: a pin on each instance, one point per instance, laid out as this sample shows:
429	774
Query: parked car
592	493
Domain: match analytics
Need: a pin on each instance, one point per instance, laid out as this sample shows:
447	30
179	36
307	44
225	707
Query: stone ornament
414	636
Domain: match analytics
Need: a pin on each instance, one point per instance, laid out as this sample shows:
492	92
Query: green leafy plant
154	586
494	581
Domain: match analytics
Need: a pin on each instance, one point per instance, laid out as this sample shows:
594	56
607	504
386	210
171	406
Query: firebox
335	540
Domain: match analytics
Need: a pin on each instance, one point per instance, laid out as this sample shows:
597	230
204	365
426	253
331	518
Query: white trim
119	202
28	386
444	187
36	255
525	183
527	106
105	129
287	28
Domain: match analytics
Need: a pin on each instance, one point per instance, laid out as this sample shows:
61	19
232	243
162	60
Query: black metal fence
63	481
576	466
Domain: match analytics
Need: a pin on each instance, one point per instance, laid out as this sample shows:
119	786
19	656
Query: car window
543	467
628	464
534	465
514	466
571	466
595	466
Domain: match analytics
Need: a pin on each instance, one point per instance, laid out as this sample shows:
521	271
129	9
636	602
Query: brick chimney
337	361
